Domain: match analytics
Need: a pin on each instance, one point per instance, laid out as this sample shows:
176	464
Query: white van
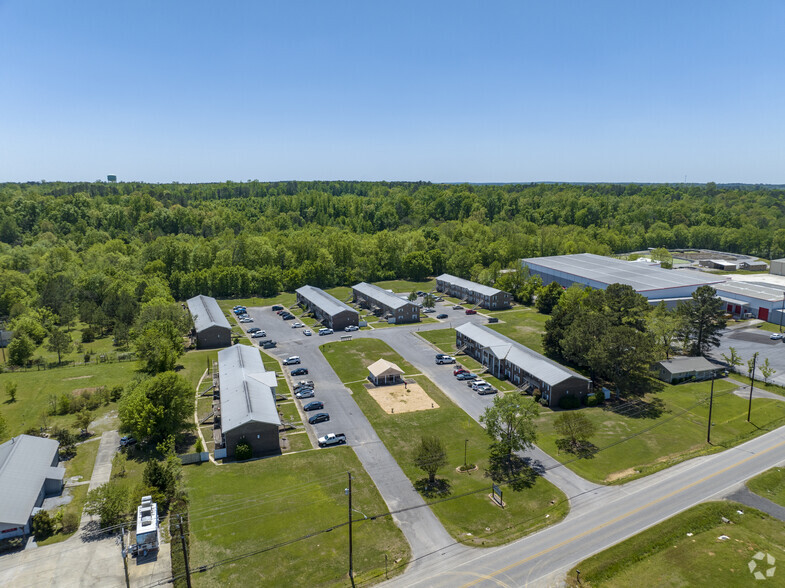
325	331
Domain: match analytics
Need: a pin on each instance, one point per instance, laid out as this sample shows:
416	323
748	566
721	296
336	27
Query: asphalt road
748	341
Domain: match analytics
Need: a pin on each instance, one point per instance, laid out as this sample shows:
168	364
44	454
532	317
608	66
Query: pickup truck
332	439
442	359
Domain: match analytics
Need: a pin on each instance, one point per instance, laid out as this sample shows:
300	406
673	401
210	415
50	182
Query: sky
458	91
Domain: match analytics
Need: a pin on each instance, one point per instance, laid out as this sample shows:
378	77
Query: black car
319	418
441	316
287	317
315	405
254	330
267	344
300	372
277	307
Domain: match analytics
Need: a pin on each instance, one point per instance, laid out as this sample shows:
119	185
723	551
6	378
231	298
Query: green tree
702	320
417	265
20	350
548	296
3	427
412	296
509	421
767	370
623	355
429	300
733	359
664	326
83	419
430	455
663	256
10	391
43	525
119	464
157	407
575	429
59	342
109	502
159	345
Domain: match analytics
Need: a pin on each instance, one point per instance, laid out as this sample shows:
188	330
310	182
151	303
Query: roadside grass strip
770	484
242	508
694	548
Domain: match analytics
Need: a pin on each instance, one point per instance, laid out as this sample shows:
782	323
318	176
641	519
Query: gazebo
384	372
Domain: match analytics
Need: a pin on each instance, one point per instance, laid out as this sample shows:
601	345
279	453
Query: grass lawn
342	293
78	498
406	286
284	299
297	441
444	339
35	388
770	484
639	438
525	325
665	556
84	460
770	327
350	359
241	508
466	518
759	383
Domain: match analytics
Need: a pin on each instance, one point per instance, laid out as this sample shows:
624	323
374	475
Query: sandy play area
397	399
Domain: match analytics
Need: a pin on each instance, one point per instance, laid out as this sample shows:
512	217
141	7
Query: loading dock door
763	314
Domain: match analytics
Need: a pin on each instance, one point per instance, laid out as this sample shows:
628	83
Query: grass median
770	484
468	514
689	550
254	508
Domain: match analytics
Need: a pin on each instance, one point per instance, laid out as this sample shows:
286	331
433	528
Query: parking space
747	342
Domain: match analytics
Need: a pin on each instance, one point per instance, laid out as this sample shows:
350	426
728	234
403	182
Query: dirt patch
622	474
82	391
409	397
77	378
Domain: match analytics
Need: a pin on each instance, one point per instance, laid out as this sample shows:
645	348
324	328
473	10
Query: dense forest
101	251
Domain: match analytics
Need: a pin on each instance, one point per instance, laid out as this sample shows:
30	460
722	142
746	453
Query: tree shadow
637	408
511	469
582	449
438	489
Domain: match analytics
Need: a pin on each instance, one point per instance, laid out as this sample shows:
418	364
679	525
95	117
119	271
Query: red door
730	308
763	314
738	309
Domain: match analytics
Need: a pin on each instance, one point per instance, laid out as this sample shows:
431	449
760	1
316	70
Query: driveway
746	342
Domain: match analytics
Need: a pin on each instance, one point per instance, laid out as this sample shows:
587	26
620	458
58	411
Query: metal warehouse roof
680	365
381	295
527	359
247	390
469	285
752	290
206	313
25	464
328	303
607	270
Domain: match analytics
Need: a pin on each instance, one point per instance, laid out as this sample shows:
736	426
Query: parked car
127	441
305	393
321	417
258	334
315	405
439	299
441	316
493	319
307	332
351	328
254	330
247	319
281	311
429	310
471	311
477	383
459	370
307	383
326	331
443	359
277	307
300	371
777	336
457	307
297	325
292	360
267	344
483	390
287	317
466	376
420	293
332	439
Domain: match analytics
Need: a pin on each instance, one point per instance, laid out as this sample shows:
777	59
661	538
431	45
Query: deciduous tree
509	422
59	342
157	407
575	428
702	320
430	455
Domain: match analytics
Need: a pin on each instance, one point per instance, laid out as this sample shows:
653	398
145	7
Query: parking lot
746	342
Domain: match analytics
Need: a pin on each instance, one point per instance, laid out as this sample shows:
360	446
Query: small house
683	369
383	372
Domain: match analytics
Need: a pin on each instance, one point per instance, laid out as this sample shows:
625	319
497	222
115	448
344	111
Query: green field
405	286
524	325
665	555
36	388
284	298
640	437
770	484
466	518
243	508
350	359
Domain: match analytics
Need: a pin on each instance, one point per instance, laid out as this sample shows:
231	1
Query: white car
351	328
293	360
307	332
297	325
478	383
259	335
325	331
246	320
429	310
777	336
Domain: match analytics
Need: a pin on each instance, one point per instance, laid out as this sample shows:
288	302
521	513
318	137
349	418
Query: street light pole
711	403
752	384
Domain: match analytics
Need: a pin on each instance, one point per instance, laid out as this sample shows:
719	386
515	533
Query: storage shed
210	325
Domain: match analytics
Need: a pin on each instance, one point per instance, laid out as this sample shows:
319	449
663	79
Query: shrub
115	393
543	402
43	526
243	450
591	400
569	402
70	521
199	446
537	395
88	336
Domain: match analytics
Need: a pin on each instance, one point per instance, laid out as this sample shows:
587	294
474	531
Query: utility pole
351	565
752	384
711	403
125	559
185	552
782	310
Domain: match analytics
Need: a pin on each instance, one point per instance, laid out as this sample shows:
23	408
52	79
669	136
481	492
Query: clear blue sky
452	91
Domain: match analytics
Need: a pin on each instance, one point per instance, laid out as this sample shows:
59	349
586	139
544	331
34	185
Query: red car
471	311
458	370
